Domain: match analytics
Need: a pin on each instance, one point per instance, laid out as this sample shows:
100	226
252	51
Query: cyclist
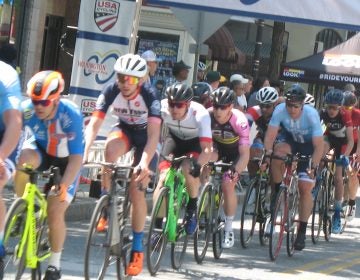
136	105
54	136
201	69
230	132
261	115
300	133
202	93
310	100
10	129
338	136
349	103
189	133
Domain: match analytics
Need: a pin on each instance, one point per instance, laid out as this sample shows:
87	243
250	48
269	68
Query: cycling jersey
336	127
355	116
195	124
302	129
10	91
59	137
254	114
137	112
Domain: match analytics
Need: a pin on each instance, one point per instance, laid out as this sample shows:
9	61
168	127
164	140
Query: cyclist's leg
353	184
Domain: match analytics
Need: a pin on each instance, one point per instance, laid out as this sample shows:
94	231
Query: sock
137	244
351	203
192	204
338	205
55	259
1	237
228	223
302	227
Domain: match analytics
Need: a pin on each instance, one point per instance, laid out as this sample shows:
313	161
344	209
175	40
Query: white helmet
131	64
201	66
267	95
309	99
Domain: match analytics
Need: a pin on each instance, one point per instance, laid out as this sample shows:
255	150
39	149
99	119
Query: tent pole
259	33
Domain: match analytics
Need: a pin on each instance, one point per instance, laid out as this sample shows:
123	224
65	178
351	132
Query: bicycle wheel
249	214
218	231
157	238
97	250
13	236
317	214
292	222
178	248
277	224
202	234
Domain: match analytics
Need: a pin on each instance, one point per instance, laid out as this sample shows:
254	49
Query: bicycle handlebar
110	165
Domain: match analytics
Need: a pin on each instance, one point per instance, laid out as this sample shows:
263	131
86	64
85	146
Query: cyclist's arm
91	131
350	140
318	144
205	135
153	134
72	169
206	148
270	137
13	122
244	153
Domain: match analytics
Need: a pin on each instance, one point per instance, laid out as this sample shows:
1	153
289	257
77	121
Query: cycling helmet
310	100
223	96
295	93
201	66
200	89
334	96
349	99
267	95
45	85
131	64
179	92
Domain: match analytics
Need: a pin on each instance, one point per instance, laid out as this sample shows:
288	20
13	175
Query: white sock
1	237
228	223
55	259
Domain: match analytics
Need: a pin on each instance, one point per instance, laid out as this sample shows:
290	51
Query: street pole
256	63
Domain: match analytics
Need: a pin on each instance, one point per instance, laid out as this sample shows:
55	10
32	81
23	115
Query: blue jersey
10	91
61	136
303	129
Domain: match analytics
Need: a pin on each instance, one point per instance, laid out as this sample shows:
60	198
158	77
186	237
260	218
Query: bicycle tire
292	220
317	215
277	224
91	243
249	213
178	248
264	215
14	228
158	248
218	231
203	232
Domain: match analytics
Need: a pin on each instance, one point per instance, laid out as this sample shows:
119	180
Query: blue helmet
295	93
334	96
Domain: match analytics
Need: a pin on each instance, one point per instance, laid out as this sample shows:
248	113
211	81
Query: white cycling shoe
228	240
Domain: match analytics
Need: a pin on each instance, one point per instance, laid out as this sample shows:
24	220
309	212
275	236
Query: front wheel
292	222
14	237
178	248
203	232
317	215
157	239
97	250
218	231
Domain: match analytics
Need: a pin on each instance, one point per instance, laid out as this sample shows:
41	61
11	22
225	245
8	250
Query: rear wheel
97	250
15	221
277	225
203	232
249	214
292	222
178	248
157	239
317	215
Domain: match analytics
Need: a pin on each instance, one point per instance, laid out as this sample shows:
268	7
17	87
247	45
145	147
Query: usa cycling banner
338	14
104	32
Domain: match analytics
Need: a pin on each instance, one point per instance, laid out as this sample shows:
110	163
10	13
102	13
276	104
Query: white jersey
197	122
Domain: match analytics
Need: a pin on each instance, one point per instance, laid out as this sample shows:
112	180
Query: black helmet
199	90
223	96
295	93
334	96
178	92
349	99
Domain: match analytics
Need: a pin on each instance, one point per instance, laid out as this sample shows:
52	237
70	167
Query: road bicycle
210	213
168	217
254	209
26	229
112	245
284	216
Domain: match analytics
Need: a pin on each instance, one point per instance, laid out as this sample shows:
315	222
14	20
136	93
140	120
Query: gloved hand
344	161
195	170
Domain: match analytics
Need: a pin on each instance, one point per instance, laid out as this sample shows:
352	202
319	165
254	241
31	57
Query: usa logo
106	14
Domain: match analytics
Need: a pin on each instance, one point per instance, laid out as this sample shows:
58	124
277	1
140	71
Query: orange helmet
45	85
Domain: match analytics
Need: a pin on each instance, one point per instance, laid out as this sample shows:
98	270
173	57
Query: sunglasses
177	105
221	107
293	105
130	79
266	106
332	107
43	103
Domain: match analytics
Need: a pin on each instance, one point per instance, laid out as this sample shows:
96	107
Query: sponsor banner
293	73
300	11
104	32
341	60
338	78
